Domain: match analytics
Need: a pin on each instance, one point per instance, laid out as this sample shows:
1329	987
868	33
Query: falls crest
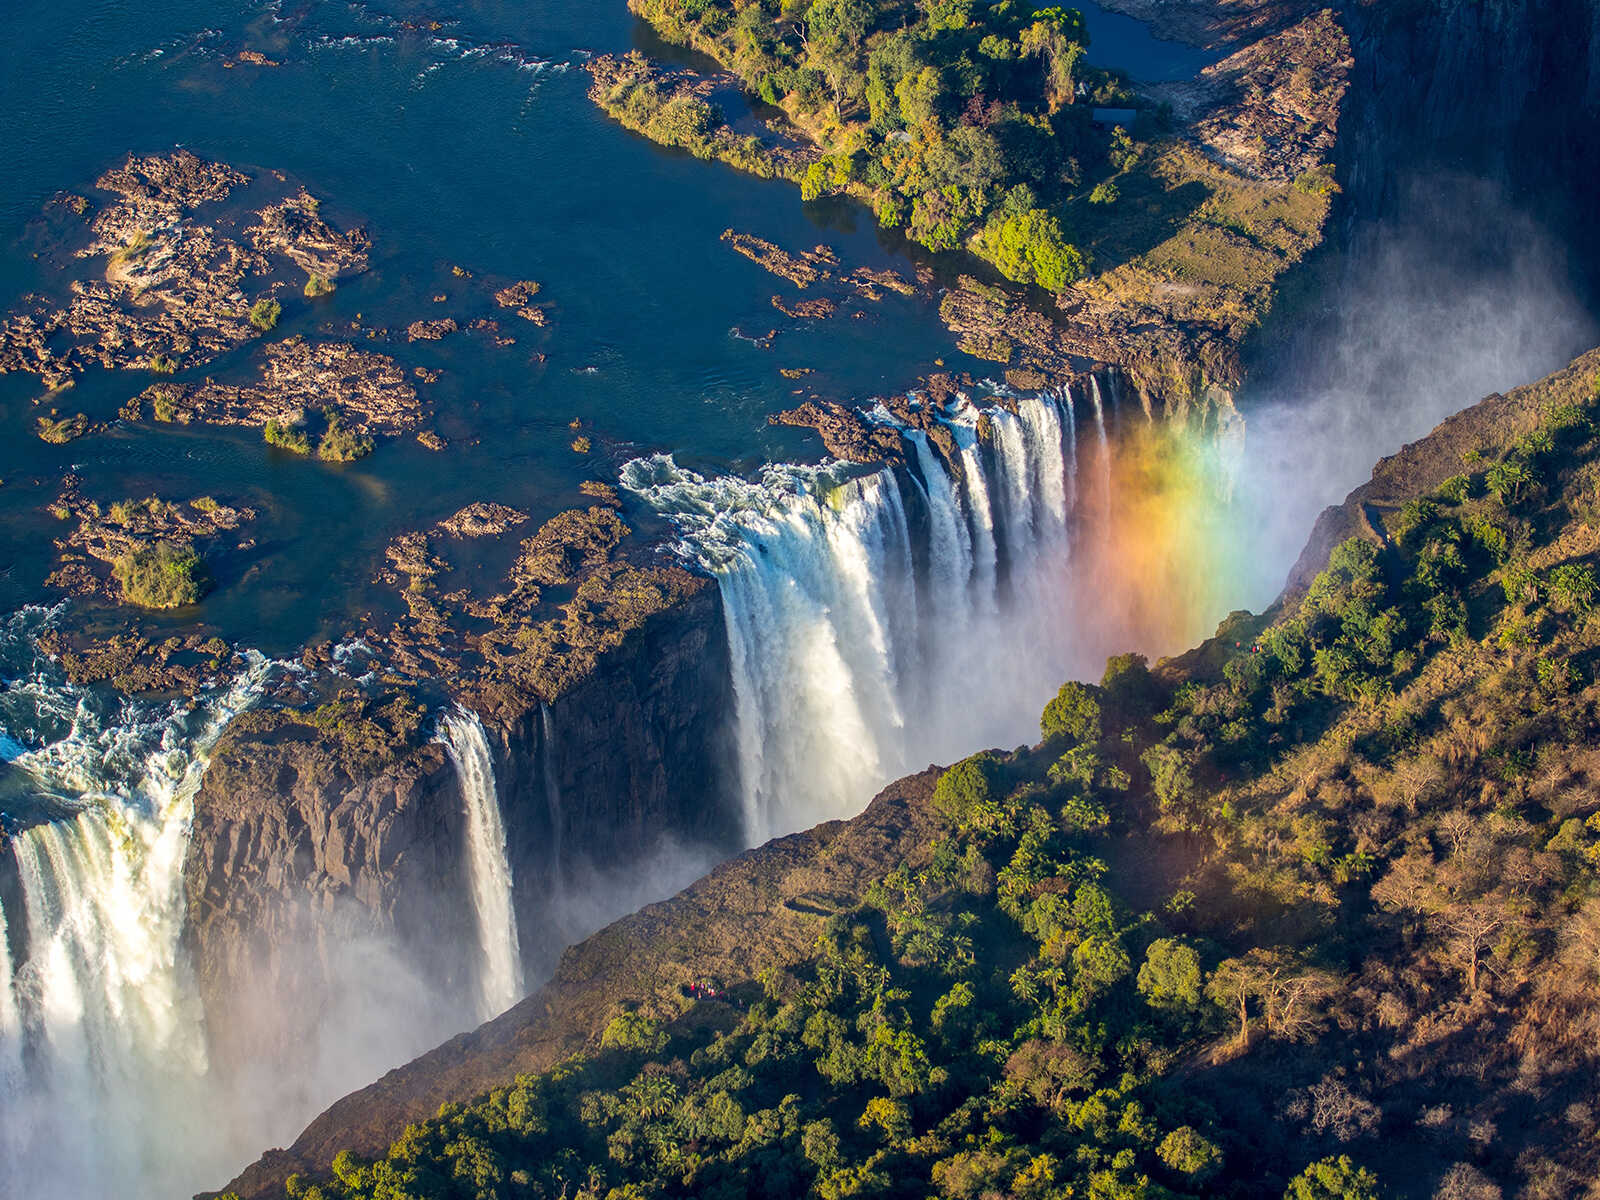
103	1064
878	621
488	869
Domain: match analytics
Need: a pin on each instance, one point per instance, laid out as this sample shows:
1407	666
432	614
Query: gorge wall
327	857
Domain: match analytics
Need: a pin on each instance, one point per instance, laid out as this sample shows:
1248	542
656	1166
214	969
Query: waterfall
850	670
102	1041
552	792
13	1137
488	871
1104	447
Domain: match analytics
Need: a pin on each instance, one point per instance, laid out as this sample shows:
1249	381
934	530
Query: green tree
1074	712
1031	248
1170	977
1333	1179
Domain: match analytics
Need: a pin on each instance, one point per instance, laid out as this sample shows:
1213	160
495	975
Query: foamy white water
488	870
113	1095
852	665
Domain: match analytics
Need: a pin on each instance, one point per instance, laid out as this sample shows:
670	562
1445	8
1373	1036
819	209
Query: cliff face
318	832
635	751
300	850
1505	91
764	908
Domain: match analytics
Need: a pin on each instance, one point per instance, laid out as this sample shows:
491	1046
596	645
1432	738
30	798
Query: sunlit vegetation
264	314
318	285
60	430
162	575
1312	912
965	124
287	435
339	443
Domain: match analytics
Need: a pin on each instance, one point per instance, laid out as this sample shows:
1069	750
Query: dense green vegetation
1333	877
340	443
287	435
161	575
264	314
964	123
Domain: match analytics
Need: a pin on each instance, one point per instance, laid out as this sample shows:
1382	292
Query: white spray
488	870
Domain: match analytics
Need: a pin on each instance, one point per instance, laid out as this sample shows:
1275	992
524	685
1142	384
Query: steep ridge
1325	825
1487	429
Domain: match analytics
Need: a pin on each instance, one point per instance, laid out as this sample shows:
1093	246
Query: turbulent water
878	622
488	871
102	1046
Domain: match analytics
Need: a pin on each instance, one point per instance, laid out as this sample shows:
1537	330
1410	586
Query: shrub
60	431
318	285
1074	712
163	364
264	313
164	575
1333	1179
1104	193
1189	1153
287	435
633	1031
964	788
1031	248
163	403
1170	976
340	444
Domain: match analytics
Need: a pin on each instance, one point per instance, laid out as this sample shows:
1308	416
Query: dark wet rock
181	180
845	432
603	492
482	519
431	331
802	270
176	290
569	543
517	295
135	664
812	310
295	229
104	536
369	391
252	58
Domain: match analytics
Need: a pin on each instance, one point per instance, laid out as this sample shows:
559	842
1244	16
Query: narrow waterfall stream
488	871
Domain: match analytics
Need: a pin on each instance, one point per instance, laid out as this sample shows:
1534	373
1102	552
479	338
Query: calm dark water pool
473	144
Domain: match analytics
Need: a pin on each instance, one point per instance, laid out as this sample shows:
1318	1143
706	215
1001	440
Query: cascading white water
13	1136
1103	446
112	1095
488	870
848	668
552	792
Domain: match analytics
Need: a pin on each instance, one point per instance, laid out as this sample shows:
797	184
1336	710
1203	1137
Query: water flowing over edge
488	869
102	1043
880	620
